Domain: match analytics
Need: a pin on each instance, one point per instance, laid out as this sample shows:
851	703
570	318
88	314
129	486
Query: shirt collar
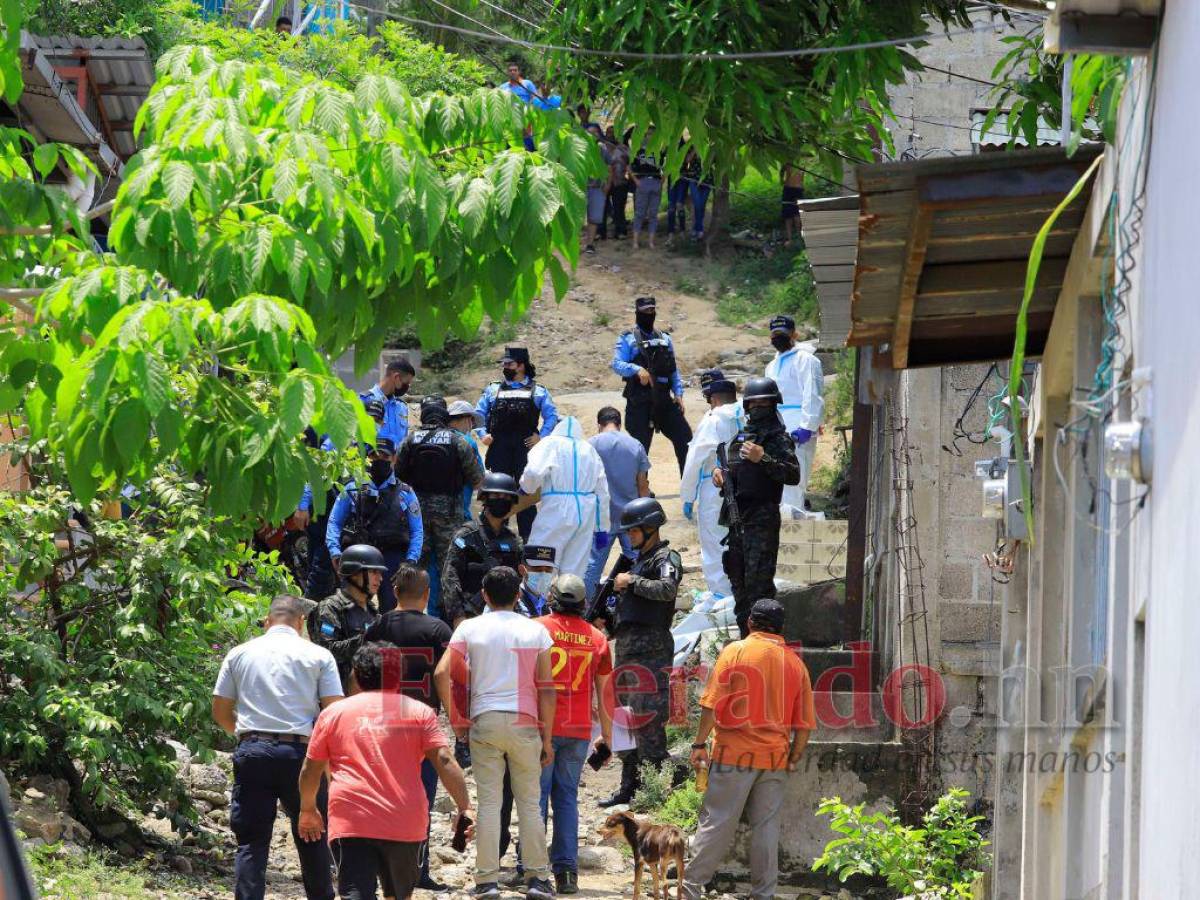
521	383
766	636
283	629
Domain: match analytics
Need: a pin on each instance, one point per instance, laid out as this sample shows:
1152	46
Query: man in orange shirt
581	666
759	701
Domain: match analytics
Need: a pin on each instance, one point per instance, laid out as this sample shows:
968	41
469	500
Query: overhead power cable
710	56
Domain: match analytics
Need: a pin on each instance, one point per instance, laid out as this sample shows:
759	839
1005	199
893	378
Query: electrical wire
708	56
952	74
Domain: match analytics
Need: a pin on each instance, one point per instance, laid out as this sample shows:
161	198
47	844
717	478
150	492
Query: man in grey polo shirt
269	692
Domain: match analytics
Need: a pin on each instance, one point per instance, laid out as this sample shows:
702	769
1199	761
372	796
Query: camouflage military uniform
474	551
339	627
642	637
751	555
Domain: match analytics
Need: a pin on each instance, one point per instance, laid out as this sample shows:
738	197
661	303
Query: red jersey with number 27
580	651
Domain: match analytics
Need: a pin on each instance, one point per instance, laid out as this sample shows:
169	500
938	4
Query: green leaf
130	426
507	180
338	417
298	399
543	194
178	179
45	158
152	380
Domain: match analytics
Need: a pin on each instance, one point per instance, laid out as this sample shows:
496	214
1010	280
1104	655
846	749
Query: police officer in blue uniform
384	513
397	379
511	408
653	393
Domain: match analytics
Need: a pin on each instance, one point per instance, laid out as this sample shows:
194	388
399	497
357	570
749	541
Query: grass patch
756	288
668	805
754	203
690	284
439	370
59	876
601	319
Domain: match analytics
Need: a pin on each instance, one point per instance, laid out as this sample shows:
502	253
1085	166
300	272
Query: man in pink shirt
371	746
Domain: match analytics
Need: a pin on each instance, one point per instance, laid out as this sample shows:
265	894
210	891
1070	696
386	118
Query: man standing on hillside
627	470
269	692
760	703
653	393
798	374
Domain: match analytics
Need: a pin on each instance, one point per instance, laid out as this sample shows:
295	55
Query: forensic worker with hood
568	474
801	381
510	409
702	498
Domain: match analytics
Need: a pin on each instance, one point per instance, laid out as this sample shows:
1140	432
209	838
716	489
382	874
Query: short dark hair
288	607
400	365
283	20
608	414
373	665
410	581
501	585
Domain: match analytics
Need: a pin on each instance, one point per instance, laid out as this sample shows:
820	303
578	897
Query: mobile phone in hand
599	756
459	841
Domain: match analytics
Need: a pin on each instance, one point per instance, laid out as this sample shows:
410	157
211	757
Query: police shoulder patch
460	543
667	571
327	629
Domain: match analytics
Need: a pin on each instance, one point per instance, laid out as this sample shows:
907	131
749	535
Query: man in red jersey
581	665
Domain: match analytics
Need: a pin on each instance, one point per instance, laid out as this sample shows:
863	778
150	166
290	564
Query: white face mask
539	582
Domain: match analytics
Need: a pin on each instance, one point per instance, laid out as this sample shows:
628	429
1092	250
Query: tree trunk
720	216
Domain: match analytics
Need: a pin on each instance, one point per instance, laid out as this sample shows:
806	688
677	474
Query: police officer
343	617
437	462
384	512
511	408
397	379
653	393
761	460
478	547
642	636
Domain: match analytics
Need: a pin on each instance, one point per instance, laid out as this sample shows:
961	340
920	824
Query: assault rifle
729	490
601	605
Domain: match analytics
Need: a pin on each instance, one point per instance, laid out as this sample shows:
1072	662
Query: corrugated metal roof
830	229
943	247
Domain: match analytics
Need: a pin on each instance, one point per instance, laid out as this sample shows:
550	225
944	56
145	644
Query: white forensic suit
720	425
574	505
801	381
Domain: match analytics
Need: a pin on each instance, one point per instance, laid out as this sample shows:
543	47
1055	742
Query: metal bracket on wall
1001	478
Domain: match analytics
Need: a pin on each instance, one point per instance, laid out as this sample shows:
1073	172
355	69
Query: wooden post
856	542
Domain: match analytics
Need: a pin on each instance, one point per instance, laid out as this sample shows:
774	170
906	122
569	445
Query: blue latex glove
802	435
687	511
600	540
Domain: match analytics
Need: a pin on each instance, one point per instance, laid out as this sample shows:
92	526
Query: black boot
629	782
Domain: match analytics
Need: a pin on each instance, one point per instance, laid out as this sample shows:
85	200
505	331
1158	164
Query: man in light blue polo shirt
627	470
397	379
269	692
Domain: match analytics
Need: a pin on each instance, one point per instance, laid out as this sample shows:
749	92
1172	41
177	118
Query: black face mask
380	470
781	342
400	391
509	374
762	415
645	321
498	507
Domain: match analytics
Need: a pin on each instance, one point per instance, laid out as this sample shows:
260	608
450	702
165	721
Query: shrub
668	804
940	859
757	288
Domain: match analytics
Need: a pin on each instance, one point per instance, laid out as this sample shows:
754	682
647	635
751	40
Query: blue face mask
539	582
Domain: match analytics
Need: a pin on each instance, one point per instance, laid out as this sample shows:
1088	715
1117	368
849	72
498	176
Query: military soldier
511	408
642	635
478	547
383	512
761	460
653	393
438	462
343	617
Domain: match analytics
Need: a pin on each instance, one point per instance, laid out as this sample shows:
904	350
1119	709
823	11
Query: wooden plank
996	276
918	240
828	256
997	247
824	273
856	541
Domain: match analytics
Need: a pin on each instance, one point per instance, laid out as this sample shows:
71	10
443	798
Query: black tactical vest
433	465
655	353
514	412
482	554
754	486
381	521
633	609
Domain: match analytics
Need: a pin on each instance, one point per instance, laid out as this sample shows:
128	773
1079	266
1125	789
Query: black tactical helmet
762	389
498	483
644	512
362	558
568	594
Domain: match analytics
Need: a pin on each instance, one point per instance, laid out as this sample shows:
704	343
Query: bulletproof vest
381	521
514	411
654	353
633	609
754	486
482	554
433	465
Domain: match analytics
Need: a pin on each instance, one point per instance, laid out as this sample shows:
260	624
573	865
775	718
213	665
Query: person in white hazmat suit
567	475
801	381
701	498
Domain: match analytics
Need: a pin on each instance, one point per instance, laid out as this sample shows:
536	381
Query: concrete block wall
812	550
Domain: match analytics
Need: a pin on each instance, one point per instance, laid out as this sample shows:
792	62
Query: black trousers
360	861
267	773
750	559
618	199
644	417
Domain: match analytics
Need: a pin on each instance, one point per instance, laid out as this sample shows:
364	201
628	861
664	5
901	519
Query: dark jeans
266	773
429	781
618	200
677	195
560	788
700	194
360	861
321	582
643	418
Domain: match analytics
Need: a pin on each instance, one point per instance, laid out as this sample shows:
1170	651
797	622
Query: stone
33	794
110	830
210	778
215	799
600	859
74	830
40	821
71	850
181	864
32	844
56	789
183	756
814	612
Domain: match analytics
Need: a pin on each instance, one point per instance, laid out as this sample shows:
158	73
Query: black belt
272	736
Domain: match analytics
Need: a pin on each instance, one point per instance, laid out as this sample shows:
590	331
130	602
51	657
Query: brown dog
658	845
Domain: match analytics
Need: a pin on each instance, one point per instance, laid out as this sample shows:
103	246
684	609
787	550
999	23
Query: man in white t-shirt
505	658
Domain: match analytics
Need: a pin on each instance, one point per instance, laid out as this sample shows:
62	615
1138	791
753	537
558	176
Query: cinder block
966	621
956	582
962	496
830	531
966	537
